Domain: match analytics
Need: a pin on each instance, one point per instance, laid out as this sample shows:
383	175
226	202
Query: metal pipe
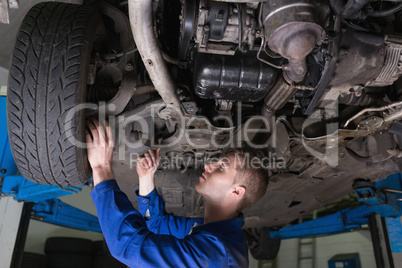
276	98
392	191
296	70
353	8
280	94
170	59
387	12
379	109
142	90
140	13
292	28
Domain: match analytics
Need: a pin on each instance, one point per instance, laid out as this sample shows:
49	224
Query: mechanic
151	237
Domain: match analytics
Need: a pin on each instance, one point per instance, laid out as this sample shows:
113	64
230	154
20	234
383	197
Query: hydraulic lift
381	209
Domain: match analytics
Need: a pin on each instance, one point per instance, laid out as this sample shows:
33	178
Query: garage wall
327	247
8	32
3	76
38	231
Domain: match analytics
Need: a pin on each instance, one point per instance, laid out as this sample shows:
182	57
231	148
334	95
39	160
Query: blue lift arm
383	197
339	222
57	212
27	191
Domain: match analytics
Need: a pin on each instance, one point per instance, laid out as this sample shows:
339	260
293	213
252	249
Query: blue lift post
46	206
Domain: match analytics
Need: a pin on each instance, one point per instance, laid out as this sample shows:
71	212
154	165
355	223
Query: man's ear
239	191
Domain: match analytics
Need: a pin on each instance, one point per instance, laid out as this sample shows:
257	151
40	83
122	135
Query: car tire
69	245
33	260
69	261
103	257
261	245
47	80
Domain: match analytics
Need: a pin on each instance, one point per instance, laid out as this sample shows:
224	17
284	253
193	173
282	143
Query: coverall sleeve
152	207
131	242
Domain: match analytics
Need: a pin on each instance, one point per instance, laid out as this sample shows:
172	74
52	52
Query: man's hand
100	151
146	168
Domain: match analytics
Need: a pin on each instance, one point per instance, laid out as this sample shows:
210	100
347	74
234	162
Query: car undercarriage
316	85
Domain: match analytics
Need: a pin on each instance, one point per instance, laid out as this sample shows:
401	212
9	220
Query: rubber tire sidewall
81	171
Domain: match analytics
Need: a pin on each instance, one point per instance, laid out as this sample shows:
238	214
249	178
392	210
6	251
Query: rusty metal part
269	114
391	69
140	13
126	91
296	70
170	59
4	16
362	100
394	114
292	29
280	94
276	98
236	27
4	9
263	60
142	90
294	42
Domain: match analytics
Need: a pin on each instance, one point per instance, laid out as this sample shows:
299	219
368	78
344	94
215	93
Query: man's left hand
100	150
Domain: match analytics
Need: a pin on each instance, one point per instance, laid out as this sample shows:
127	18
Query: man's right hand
146	168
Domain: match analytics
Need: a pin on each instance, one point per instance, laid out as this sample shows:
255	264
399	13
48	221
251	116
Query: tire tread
43	82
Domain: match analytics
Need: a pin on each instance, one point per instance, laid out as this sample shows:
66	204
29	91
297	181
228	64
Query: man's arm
151	204
146	168
130	241
124	228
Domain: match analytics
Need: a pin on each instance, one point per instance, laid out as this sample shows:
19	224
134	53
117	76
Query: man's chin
198	189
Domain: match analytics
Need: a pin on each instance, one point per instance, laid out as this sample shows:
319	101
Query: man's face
217	180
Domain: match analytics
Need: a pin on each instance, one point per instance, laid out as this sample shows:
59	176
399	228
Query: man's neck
219	212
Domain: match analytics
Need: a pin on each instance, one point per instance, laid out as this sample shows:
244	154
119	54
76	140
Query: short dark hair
254	178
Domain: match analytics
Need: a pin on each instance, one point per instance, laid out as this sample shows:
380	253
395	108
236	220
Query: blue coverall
163	240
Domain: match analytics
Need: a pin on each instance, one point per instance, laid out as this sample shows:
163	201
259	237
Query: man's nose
207	167
210	167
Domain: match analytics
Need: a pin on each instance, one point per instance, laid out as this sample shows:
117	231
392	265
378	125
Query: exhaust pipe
292	28
140	13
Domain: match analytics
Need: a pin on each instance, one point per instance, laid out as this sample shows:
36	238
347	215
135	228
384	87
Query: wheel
261	245
69	246
103	258
47	80
69	261
107	262
33	260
